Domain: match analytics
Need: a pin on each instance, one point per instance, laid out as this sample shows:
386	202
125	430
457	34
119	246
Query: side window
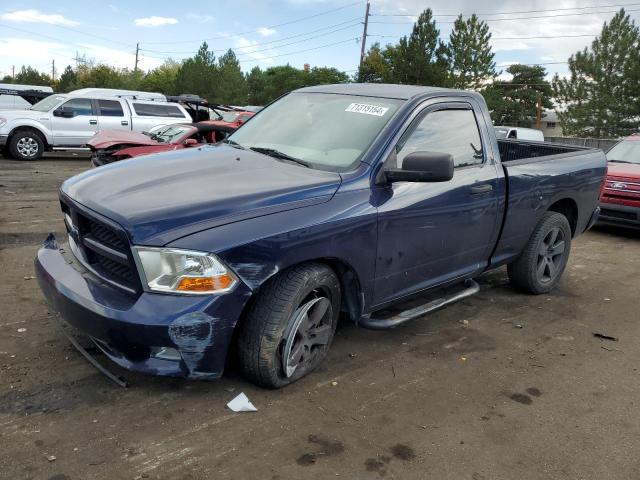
157	110
110	108
446	131
80	106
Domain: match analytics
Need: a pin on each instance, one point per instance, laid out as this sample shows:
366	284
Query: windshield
47	104
168	133
627	151
326	131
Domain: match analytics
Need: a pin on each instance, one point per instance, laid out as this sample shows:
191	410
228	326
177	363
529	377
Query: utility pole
13	72
53	69
135	69
364	33
538	112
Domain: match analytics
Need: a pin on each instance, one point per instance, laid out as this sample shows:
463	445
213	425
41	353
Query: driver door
76	130
430	233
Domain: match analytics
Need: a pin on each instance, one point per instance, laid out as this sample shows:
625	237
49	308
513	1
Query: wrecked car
109	146
352	199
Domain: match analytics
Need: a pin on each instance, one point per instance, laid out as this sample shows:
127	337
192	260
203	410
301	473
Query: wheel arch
29	128
569	208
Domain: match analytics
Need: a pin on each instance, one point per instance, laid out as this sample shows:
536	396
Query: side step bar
470	287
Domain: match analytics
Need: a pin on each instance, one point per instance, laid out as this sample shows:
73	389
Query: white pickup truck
68	121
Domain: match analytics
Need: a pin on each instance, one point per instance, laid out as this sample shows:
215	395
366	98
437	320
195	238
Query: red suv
620	198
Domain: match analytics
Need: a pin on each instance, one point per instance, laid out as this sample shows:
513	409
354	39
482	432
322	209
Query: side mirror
64	112
423	167
190	142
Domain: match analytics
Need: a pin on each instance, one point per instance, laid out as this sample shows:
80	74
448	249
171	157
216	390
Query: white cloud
13	51
200	18
155	21
266	32
35	16
247	49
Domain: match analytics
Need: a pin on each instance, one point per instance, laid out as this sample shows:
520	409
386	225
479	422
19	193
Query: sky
276	32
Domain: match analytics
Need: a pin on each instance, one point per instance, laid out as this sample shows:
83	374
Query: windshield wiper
618	161
278	154
233	143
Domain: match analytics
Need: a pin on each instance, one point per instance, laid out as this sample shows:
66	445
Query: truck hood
11	115
160	198
627	170
109	138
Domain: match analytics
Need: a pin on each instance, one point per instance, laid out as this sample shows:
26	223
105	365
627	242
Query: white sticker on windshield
376	110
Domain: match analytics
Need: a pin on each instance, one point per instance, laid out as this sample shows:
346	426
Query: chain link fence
602	143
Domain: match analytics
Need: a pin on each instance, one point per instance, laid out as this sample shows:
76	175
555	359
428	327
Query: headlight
171	270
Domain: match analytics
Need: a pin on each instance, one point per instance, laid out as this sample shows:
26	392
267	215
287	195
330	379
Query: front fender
343	229
20	123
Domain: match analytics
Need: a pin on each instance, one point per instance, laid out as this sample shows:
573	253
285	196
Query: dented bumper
159	334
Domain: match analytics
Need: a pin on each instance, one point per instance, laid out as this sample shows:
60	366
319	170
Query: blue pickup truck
375	202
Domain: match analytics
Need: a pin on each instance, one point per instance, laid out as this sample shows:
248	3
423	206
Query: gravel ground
499	386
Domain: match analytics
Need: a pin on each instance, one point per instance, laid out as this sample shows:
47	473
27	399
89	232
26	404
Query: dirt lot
499	386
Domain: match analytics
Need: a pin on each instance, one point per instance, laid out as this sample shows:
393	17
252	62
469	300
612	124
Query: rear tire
26	145
539	267
289	329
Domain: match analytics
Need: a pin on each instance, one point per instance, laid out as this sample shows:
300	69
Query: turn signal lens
206	284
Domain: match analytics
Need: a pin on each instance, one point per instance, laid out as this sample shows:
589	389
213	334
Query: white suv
68	121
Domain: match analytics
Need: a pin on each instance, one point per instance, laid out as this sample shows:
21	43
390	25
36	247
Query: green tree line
600	97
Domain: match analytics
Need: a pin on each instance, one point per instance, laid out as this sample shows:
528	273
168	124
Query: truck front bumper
159	334
3	140
620	215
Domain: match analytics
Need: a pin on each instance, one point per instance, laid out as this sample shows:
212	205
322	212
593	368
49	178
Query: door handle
93	122
480	189
124	122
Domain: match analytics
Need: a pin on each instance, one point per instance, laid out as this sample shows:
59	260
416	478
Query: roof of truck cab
385	90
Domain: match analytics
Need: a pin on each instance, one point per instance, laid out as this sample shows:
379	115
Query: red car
112	145
620	198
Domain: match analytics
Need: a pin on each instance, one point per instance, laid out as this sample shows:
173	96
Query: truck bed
540	176
521	150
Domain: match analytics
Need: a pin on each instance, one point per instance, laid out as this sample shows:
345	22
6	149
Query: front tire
26	145
539	267
289	329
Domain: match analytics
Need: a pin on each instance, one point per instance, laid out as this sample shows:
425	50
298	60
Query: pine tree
67	80
232	86
601	96
469	54
374	68
198	74
514	102
419	58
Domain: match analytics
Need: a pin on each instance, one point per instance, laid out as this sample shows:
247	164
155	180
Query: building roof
550	116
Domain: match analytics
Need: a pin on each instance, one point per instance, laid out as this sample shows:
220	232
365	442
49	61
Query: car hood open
109	138
160	198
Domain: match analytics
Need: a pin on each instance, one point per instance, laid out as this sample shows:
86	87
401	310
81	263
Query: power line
506	13
249	47
356	19
541	37
326	12
520	18
300	51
